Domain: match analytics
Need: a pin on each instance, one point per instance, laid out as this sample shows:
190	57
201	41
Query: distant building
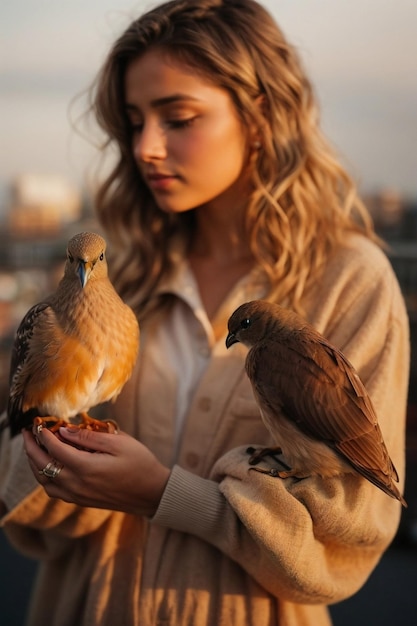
42	204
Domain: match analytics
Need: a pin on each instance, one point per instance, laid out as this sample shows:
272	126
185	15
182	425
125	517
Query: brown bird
311	399
74	350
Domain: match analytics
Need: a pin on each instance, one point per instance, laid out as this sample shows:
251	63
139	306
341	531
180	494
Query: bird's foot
102	426
258	455
53	424
50	422
275	472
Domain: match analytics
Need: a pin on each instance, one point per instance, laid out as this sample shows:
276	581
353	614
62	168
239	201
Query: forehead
158	74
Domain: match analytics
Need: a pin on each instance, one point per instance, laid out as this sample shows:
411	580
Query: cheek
220	154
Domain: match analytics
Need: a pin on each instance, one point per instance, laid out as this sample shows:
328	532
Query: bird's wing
316	387
19	356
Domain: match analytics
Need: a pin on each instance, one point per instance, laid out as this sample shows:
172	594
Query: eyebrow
160	102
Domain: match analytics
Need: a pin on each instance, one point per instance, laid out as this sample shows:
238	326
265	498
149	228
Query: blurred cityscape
38	214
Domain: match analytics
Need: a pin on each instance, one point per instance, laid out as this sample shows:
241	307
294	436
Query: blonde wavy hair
303	202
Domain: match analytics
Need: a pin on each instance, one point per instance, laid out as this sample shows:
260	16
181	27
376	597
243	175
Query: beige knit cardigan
227	546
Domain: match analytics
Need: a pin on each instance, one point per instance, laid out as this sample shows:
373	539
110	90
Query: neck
220	233
219	239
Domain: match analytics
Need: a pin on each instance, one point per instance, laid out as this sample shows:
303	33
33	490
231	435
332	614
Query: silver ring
52	469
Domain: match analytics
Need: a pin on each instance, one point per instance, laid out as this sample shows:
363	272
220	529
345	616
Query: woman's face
190	146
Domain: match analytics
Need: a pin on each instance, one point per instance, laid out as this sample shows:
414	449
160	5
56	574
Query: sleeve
313	540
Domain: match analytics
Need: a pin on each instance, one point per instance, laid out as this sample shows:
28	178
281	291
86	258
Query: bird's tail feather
390	489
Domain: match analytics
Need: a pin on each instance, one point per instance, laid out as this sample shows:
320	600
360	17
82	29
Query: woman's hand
112	471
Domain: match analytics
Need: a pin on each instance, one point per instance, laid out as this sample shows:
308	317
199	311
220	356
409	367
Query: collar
182	284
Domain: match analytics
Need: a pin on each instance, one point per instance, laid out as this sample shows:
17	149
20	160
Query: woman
223	191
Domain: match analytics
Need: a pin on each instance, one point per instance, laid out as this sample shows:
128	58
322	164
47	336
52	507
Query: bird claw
50	422
274	472
105	426
53	424
257	456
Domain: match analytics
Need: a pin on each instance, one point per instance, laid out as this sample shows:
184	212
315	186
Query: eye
101	256
181	123
70	257
245	323
136	128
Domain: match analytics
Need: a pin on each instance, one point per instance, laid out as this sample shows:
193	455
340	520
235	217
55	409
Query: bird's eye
245	323
101	256
70	257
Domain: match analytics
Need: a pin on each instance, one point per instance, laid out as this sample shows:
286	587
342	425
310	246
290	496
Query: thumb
85	439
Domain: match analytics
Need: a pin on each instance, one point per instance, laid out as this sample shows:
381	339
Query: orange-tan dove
311	399
74	350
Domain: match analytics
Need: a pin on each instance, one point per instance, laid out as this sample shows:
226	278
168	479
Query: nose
150	143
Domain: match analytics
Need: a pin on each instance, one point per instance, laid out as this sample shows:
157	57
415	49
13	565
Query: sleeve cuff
190	504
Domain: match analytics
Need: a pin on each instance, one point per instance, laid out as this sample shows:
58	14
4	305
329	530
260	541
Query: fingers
43	466
38	456
57	449
70	448
56	465
81	441
42	447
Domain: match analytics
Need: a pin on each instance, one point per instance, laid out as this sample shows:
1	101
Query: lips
160	180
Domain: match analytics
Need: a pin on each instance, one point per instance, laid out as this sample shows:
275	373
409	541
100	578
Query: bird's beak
231	339
84	271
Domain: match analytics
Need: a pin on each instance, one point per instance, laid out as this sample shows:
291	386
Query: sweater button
204	403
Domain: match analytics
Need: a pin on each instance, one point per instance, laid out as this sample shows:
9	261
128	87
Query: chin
174	207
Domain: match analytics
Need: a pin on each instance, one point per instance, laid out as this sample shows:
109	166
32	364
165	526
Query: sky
361	56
